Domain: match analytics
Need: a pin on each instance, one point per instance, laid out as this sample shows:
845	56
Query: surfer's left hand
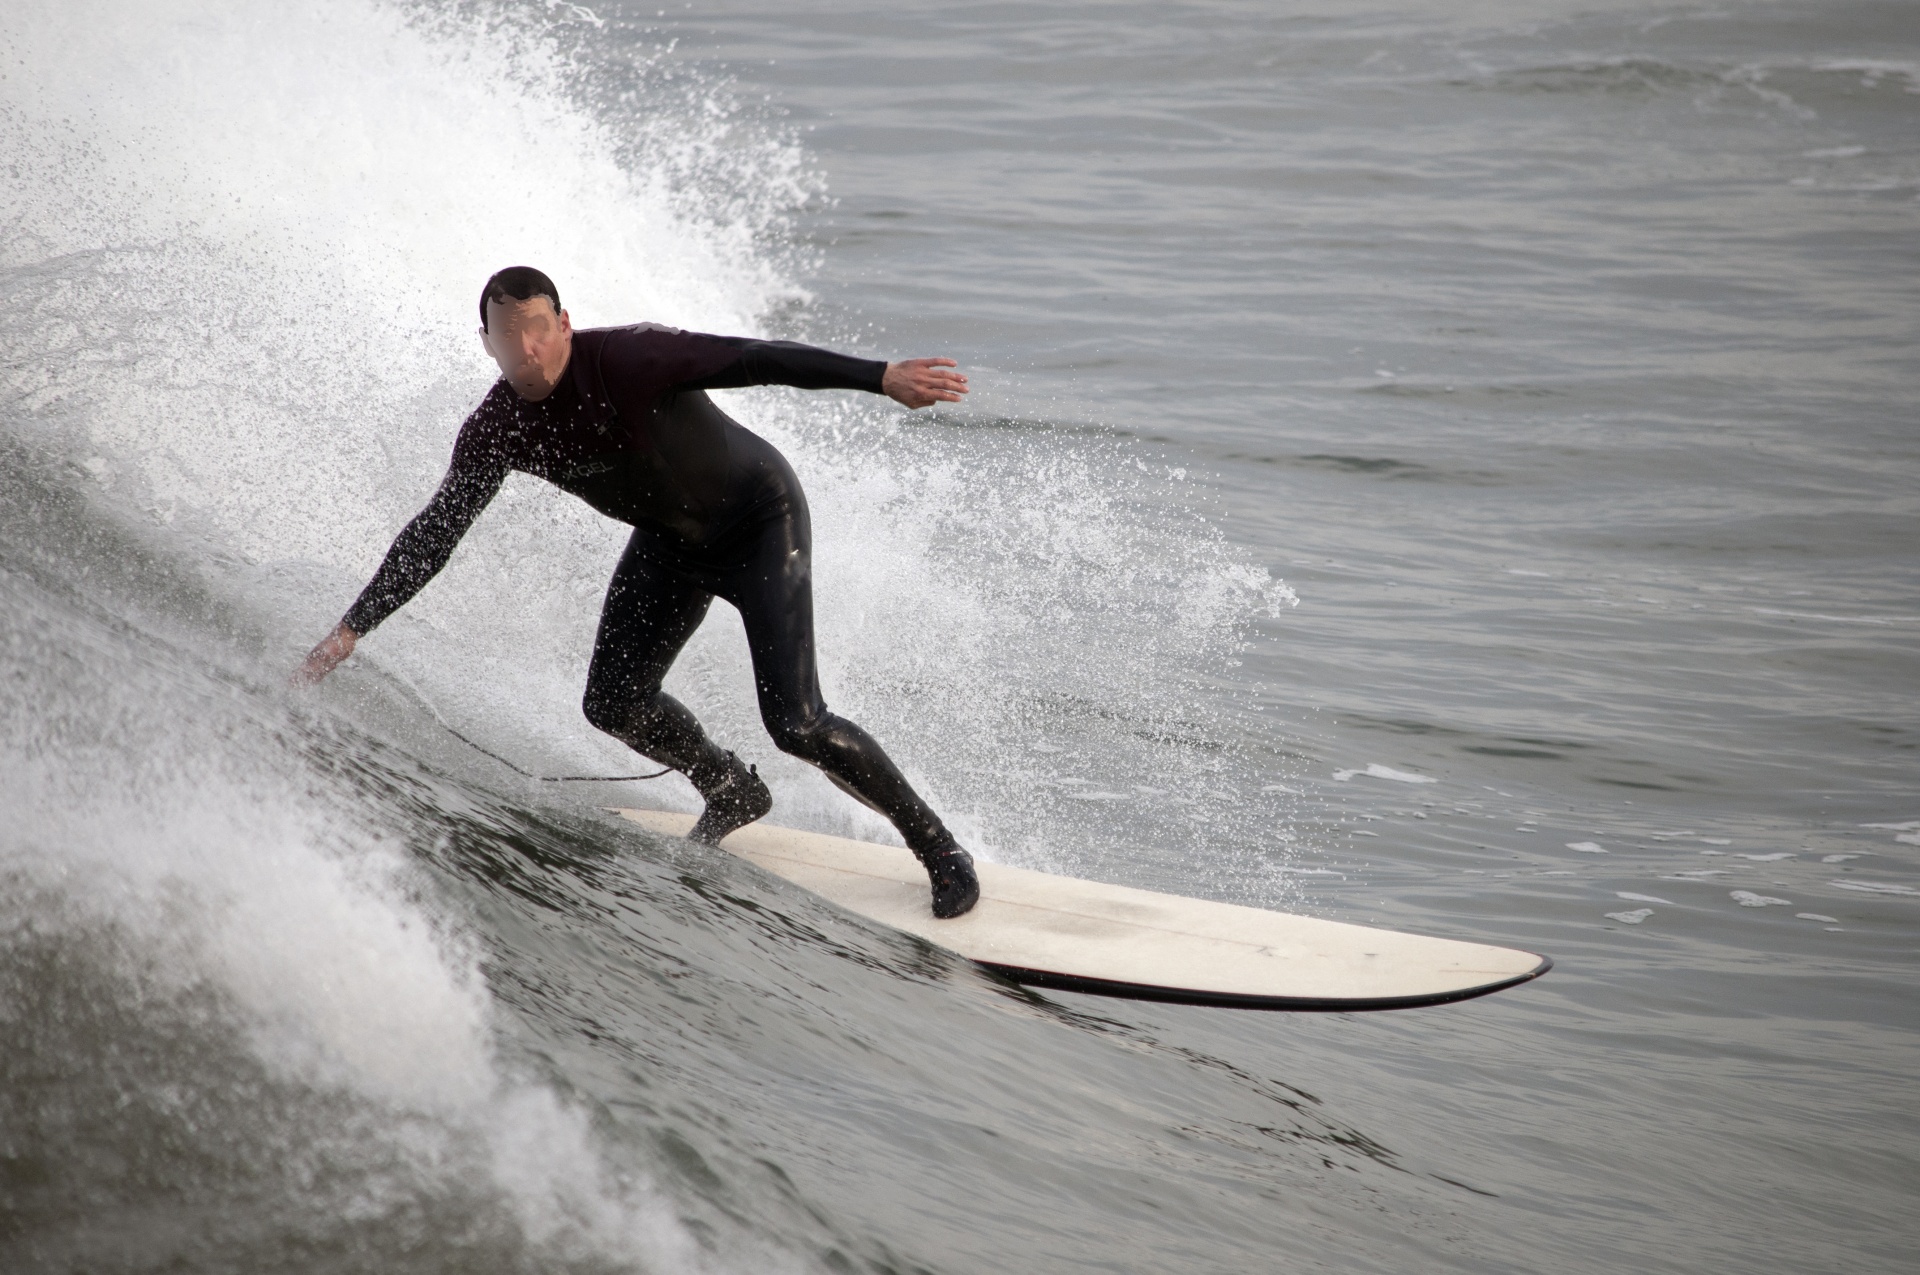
923	382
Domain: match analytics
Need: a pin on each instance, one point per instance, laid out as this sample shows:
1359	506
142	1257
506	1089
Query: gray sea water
1448	466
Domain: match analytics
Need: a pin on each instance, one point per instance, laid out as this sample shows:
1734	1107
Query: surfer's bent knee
613	711
602	712
805	737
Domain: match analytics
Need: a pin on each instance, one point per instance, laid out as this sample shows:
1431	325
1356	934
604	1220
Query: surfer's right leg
648	615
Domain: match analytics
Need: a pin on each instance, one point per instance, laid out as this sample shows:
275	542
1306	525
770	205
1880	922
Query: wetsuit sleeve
807	367
424	546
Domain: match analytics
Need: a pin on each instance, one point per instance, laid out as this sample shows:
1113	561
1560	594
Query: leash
551	779
519	770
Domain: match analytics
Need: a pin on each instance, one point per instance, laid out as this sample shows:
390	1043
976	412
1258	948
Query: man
620	418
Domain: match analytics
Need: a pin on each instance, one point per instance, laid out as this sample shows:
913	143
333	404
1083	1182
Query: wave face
305	983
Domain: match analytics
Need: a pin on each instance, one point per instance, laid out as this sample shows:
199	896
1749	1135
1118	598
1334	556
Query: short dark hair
521	283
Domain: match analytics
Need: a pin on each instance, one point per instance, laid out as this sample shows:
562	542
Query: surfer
620	418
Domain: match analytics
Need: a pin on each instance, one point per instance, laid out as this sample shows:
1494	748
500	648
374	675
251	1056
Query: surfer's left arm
913	383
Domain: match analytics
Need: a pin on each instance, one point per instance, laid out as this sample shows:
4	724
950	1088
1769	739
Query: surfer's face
529	342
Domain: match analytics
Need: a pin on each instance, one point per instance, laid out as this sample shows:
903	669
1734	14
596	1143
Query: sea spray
242	250
248	306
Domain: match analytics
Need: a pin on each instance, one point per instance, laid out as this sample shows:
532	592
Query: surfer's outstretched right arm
417	555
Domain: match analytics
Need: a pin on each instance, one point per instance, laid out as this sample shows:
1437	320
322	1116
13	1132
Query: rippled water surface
1446	466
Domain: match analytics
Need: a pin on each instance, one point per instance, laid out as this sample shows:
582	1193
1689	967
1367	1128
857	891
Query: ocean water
1446	466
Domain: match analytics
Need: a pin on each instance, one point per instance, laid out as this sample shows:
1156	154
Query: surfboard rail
1061	933
1239	1000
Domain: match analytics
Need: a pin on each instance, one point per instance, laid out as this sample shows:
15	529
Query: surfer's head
525	331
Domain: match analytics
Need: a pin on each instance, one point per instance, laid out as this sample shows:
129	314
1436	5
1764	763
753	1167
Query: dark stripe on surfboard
1238	1000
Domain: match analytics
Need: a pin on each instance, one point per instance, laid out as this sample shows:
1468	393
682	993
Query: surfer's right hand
324	658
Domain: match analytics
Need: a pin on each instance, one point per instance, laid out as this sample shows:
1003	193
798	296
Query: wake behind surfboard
1110	940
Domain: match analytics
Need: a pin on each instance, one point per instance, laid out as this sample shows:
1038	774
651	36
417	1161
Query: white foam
1874	887
1748	899
1815	916
1634	917
346	143
1375	770
343	142
1840	858
232	868
1873	69
280	213
1834	152
1908	826
341	979
1838	619
1769	858
1644	898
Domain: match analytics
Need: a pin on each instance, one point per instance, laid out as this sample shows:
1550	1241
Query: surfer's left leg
774	594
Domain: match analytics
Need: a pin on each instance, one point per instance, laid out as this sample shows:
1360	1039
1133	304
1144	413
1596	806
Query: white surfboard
1111	940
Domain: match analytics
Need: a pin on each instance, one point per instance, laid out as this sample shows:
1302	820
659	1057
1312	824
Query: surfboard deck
1112	940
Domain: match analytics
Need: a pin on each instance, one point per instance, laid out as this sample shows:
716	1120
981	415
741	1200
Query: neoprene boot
735	797
955	887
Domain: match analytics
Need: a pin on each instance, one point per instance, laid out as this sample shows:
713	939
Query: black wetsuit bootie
955	887
734	800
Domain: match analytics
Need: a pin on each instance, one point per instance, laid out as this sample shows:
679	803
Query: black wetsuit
716	512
